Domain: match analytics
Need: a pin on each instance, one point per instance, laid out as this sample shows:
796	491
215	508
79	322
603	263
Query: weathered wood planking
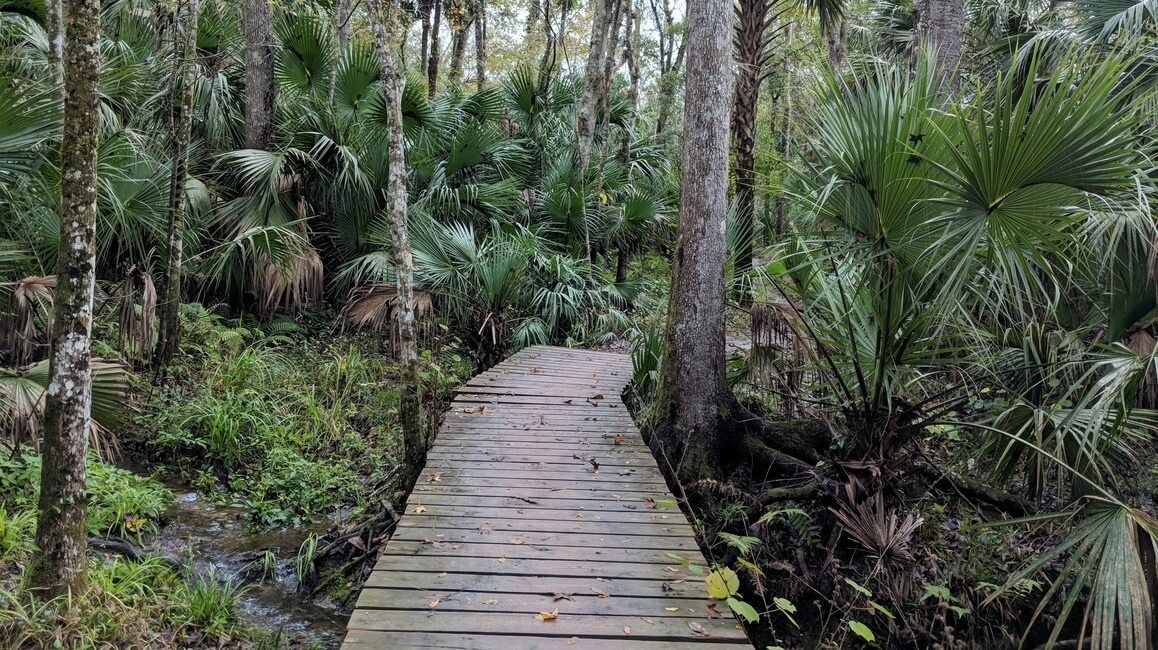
540	496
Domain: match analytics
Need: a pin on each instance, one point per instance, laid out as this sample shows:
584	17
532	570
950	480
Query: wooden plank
574	603
609	627
499	526
443	581
534	501
380	640
545	514
674	544
539	567
628	494
517	547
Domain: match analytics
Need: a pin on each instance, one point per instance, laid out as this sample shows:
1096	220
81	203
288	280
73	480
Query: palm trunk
387	35
184	78
940	26
435	47
752	40
837	39
257	26
692	390
424	9
621	266
62	527
480	44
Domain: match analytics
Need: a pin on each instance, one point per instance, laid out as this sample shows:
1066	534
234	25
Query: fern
798	521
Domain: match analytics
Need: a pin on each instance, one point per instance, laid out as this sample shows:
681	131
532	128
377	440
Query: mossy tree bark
184	78
480	43
940	25
62	527
257	27
604	11
693	396
388	35
435	53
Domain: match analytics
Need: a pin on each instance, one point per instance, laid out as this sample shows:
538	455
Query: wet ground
216	540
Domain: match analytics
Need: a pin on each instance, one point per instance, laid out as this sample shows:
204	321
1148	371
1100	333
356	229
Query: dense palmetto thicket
945	429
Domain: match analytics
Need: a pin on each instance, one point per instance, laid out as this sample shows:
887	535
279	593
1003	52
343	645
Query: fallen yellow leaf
434	602
419	510
671	609
516	541
626	630
548	616
599	592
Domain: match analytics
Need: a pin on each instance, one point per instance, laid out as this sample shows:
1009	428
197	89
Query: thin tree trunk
480	43
550	52
621	266
184	78
345	13
668	84
424	9
388	34
62	527
534	14
592	82
609	60
460	21
631	54
784	135
257	26
54	24
692	390
435	47
940	25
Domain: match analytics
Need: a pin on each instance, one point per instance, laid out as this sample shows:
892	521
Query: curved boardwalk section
540	521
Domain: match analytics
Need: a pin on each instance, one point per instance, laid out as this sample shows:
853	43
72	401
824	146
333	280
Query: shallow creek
216	540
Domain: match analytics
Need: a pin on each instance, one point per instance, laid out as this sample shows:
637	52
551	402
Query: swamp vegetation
886	270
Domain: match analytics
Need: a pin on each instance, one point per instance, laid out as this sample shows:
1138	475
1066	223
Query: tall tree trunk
631	54
54	25
184	77
62	526
940	24
480	43
388	35
592	82
753	34
257	26
668	84
459	16
550	51
692	390
609	60
424	9
784	132
837	38
534	15
345	13
435	50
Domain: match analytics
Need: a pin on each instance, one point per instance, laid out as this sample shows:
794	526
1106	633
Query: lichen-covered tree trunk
344	14
458	14
534	14
425	7
480	43
837	38
388	33
692	391
54	25
184	78
62	528
435	50
940	26
257	27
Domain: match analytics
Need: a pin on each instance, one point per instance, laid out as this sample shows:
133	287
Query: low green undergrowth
133	605
289	419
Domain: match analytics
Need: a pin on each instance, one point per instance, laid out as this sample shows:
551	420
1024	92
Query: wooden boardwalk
541	521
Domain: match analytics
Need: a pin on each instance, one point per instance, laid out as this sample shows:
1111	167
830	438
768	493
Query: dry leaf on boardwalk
548	616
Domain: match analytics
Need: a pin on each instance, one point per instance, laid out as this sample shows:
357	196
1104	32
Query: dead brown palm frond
877	528
295	285
375	307
136	314
779	353
22	403
29	316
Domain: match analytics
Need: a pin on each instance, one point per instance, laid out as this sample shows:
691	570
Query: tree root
793	493
946	481
131	551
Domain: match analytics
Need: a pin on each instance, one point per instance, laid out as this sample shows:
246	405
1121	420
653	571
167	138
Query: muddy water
215	539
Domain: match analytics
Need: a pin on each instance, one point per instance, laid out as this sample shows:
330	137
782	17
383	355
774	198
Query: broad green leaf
859	587
722	582
744	610
881	608
862	630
